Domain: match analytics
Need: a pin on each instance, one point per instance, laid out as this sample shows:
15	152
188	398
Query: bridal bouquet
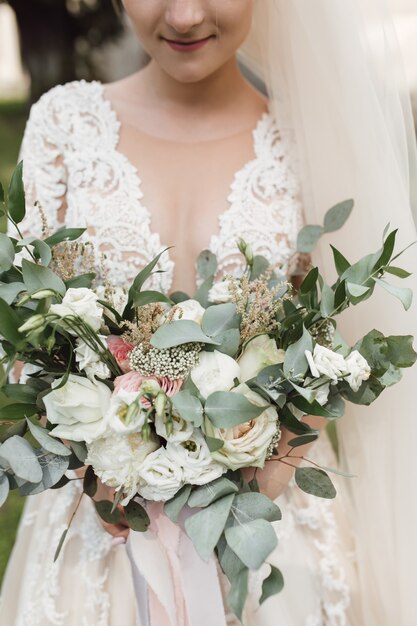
168	398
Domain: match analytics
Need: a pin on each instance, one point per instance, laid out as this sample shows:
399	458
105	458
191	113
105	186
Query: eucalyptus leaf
189	407
214	444
295	362
206	264
140	298
173	507
137	517
177	333
388	249
53	468
250	506
104	509
237	595
83	280
336	217
341	263
202	293
9	291
21	458
64	234
4	489
309	281
327	306
79	448
220	317
179	296
303	440
6	253
43	251
20	393
400	350
90	482
18	411
396	271
308	238
252	542
272	585
9	324
357	291
16	195
229	341
315	482
46	441
60	544
38	277
207	494
205	527
403	294
226	409
259	266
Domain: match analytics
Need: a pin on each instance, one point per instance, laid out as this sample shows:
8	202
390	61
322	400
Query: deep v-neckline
146	210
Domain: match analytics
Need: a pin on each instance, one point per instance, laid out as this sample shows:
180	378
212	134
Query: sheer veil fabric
334	75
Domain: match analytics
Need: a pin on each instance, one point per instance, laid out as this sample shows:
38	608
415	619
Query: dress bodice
70	151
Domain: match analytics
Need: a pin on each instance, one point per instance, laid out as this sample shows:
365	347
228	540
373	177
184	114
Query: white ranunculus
116	460
358	368
259	353
247	444
325	362
160	477
181	430
188	310
321	390
81	302
89	361
125	415
220	292
194	456
215	371
78	408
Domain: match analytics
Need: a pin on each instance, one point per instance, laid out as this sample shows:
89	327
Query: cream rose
215	371
89	361
160	477
81	302
325	362
116	459
195	458
188	310
78	408
358	368
259	353
246	444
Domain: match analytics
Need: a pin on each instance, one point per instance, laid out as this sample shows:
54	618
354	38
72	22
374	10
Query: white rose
116	460
83	303
160	477
358	368
117	299
89	361
181	430
220	292
325	362
124	415
259	353
188	310
321	390
195	459
78	408
215	371
246	445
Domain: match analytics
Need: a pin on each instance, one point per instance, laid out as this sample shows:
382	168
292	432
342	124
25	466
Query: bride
187	152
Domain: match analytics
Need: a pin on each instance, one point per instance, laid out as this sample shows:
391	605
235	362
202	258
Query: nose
183	15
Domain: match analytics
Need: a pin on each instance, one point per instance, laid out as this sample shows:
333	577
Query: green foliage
226	409
315	482
179	332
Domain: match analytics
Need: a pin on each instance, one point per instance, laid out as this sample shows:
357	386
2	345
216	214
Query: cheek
235	19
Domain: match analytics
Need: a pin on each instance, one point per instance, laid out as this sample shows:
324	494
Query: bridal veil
335	78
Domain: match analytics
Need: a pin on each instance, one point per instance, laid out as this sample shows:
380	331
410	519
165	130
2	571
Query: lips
187	46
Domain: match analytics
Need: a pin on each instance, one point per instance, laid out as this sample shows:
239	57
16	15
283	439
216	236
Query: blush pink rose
120	350
132	382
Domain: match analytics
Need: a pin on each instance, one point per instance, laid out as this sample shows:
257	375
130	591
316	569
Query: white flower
116	460
259	353
358	368
118	298
325	362
188	310
321	390
125	414
194	456
83	303
160	477
181	430
246	445
89	361
78	408
220	292
215	371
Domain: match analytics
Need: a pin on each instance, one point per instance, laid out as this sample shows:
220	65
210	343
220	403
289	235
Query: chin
190	74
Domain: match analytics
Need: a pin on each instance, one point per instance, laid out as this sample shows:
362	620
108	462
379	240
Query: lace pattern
71	162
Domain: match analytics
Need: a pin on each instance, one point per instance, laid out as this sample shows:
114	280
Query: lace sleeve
44	171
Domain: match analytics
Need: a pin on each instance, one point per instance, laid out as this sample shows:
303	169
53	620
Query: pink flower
132	382
120	350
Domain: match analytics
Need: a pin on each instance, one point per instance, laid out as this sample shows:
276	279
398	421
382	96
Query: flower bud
150	387
132	412
160	404
35	322
42	294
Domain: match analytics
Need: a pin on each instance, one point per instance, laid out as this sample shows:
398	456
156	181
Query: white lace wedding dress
70	151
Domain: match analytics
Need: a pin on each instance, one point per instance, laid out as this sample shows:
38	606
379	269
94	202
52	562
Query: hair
117	7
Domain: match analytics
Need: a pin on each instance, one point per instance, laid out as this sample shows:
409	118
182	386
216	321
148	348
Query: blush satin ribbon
173	585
